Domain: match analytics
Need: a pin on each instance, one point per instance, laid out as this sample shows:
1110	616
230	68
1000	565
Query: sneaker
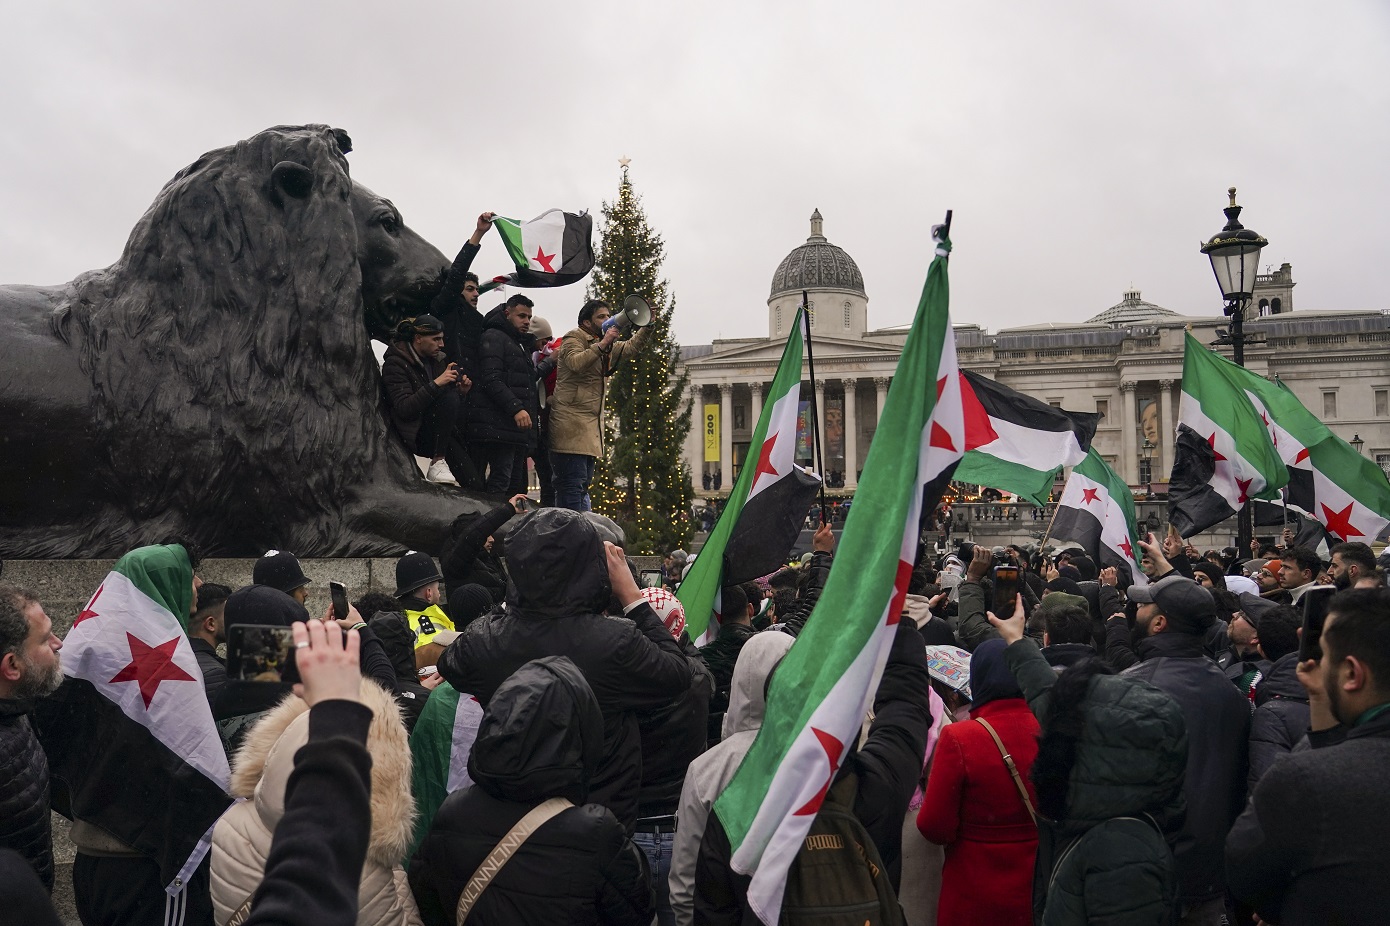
439	472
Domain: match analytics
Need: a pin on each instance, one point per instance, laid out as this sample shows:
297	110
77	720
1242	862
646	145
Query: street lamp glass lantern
1235	258
1148	449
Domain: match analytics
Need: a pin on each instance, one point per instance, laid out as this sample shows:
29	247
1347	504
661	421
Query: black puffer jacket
463	324
1105	859
506	385
466	560
555	608
24	819
542	737
408	382
1281	716
720	655
672	737
1218	734
398	642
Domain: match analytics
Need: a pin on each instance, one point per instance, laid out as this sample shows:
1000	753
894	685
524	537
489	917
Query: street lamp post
1235	259
1357	443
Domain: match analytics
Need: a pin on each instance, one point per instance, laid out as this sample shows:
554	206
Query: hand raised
329	670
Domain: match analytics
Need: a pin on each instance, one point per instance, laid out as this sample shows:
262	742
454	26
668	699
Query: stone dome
1131	311
817	264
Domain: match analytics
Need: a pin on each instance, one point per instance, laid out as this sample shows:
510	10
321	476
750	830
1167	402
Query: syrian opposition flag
1017	444
553	249
131	743
1224	454
825	685
1097	511
767	506
440	746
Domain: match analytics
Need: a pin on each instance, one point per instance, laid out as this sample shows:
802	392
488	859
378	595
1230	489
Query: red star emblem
1339	522
150	665
940	386
900	583
1244	486
1090	495
833	750
1211	442
544	260
941	438
87	612
765	460
1128	550
1301	456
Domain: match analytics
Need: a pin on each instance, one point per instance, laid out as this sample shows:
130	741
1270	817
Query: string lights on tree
642	482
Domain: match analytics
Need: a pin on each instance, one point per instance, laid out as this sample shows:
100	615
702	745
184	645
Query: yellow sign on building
711	433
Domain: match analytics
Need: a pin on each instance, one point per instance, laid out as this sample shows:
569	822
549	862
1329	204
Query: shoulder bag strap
1013	769
504	850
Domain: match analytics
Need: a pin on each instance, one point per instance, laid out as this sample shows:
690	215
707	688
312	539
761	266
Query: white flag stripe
1114	528
98	649
1028	447
781	424
545	234
467	718
1224	478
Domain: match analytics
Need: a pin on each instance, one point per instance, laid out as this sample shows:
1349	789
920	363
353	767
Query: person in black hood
469	556
399	643
1281	702
541	737
563	576
506	406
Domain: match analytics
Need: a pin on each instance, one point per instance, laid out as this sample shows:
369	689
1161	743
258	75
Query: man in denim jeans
672	736
588	356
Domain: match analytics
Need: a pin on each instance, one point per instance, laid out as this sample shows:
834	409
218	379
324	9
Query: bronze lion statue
217	382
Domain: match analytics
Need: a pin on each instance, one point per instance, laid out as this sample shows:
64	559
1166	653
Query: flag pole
815	412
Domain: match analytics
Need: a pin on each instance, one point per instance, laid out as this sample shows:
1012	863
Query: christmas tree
641	482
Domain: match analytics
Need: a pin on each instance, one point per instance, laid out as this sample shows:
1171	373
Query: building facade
1125	363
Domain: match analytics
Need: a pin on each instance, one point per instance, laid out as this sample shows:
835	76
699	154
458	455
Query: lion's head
228	348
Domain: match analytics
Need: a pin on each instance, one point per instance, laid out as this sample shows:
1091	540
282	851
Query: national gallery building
1125	363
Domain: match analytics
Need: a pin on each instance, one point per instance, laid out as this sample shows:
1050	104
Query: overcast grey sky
1084	146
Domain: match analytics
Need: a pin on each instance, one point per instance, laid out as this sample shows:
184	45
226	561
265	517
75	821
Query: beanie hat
667	607
280	571
1069	572
413	571
1211	571
1273	567
1085	566
467	603
1053	601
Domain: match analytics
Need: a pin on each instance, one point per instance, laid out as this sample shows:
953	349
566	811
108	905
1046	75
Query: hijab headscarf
990	678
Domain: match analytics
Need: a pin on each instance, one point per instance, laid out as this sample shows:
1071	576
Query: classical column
1167	431
851	433
820	420
1129	464
695	443
726	436
756	388
881	384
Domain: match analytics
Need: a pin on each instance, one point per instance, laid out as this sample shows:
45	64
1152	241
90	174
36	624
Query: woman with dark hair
979	805
424	392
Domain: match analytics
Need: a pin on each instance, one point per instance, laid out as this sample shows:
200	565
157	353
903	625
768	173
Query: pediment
770	351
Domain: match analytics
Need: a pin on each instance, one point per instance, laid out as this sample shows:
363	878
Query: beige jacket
577	404
260	770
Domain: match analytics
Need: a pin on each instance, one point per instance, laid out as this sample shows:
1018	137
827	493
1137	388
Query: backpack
838	879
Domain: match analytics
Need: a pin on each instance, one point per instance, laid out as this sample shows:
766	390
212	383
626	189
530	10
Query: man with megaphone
588	356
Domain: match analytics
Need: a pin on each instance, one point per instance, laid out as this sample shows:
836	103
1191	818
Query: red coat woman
973	807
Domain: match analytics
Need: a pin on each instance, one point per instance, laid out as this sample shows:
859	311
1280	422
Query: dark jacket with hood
505	385
1281	716
463	324
408	381
672	737
555	608
398	641
1218	734
541	737
1109	774
466	560
24	817
888	766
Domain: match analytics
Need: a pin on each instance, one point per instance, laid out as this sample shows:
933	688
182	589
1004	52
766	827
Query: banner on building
834	432
711	433
804	447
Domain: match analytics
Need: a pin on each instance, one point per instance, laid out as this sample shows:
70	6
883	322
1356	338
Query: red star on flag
1127	548
833	750
1339	522
1090	495
544	260
900	583
941	438
1300	456
1211	441
87	612
1244	486
765	460
150	665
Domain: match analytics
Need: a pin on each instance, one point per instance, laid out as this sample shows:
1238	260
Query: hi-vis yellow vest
425	624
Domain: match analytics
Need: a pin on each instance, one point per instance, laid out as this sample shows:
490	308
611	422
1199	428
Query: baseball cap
280	571
1187	605
667	607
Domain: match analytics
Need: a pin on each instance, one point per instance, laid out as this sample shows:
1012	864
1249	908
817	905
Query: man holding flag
806	756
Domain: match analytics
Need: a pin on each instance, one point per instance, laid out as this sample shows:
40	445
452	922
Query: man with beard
29	669
1173	616
206	631
1312	844
1350	561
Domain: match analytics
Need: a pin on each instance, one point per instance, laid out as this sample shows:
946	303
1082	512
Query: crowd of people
480	395
1090	751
